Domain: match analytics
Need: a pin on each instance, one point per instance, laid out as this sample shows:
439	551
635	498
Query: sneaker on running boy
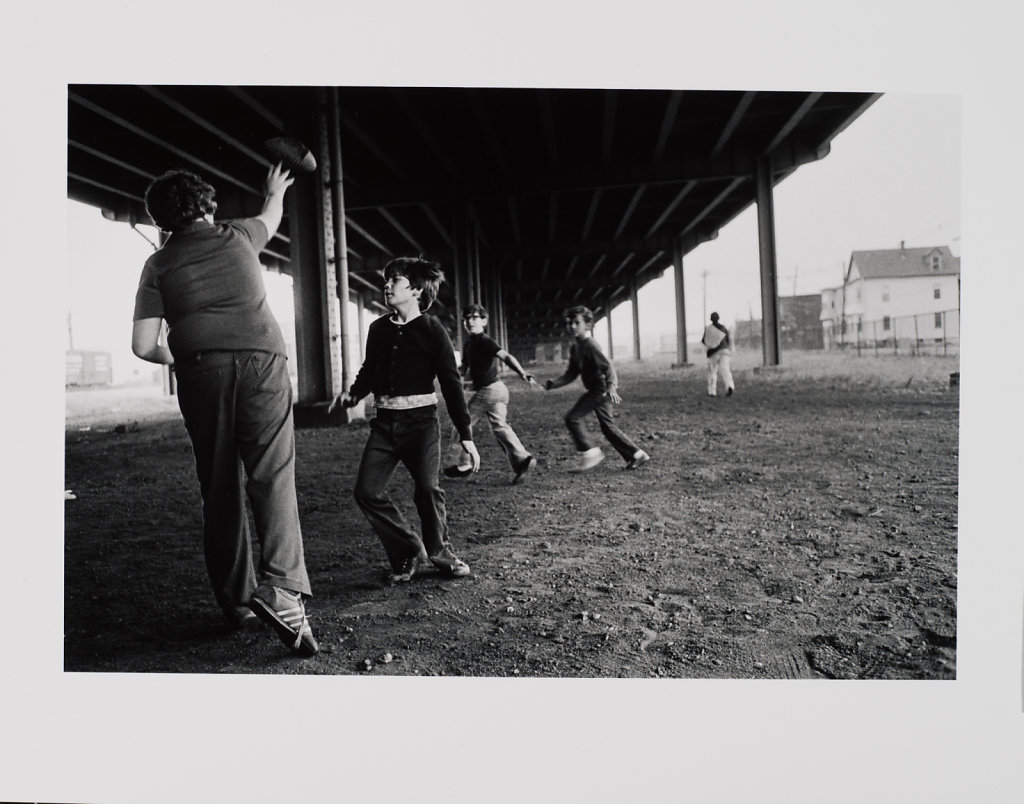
449	563
639	459
589	458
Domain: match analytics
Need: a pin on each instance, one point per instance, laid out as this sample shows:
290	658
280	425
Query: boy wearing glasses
405	352
489	395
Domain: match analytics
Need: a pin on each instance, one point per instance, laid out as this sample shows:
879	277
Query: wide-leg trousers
237	408
412	438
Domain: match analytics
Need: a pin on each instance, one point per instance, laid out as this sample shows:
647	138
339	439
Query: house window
885	323
936	262
938	321
937	293
885	294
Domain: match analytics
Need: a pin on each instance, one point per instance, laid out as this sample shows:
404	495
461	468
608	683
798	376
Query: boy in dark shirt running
490	394
587	361
404	353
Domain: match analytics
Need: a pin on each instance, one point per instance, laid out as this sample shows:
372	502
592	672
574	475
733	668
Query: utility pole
842	319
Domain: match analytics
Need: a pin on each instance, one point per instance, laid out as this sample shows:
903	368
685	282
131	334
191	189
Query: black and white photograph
797	519
481	406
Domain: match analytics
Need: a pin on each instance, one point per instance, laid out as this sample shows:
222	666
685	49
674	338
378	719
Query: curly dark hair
177	198
474	309
569	313
421	273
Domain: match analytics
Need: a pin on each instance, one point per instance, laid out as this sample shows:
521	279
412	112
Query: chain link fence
936	333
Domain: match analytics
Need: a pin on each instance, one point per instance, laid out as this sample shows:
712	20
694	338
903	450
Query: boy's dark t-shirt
478	357
206	281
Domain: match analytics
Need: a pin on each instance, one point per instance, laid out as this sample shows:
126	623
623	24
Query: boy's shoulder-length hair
569	313
421	273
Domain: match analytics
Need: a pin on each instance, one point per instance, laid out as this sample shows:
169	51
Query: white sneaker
589	458
639	459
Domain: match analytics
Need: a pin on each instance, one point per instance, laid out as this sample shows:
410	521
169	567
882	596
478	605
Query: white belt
405	402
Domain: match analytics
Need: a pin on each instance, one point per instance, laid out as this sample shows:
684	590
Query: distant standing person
405	352
489	395
719	345
587	361
234	393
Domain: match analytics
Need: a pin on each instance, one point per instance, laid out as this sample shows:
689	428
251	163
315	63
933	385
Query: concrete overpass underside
531	199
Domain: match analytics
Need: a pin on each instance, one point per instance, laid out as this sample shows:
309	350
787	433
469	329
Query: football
291	153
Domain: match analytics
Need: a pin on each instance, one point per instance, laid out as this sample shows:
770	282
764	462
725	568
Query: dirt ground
805	527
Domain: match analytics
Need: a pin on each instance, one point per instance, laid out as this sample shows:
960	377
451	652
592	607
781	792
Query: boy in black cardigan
404	353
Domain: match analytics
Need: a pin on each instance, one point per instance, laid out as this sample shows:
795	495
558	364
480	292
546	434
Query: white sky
107	737
893	175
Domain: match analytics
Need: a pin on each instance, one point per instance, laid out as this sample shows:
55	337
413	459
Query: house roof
904	262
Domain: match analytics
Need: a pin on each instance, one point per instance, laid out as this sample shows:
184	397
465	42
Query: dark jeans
600	405
237	408
412	438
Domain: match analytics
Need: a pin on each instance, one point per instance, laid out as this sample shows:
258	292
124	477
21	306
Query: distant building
894	296
87	368
799	325
800	322
746	334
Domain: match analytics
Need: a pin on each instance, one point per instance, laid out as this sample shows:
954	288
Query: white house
895	296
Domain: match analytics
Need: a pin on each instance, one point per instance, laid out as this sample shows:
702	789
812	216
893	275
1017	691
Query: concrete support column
682	358
474	260
460	279
330	313
611	345
360	320
502	318
308	271
634	303
343	350
769	269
